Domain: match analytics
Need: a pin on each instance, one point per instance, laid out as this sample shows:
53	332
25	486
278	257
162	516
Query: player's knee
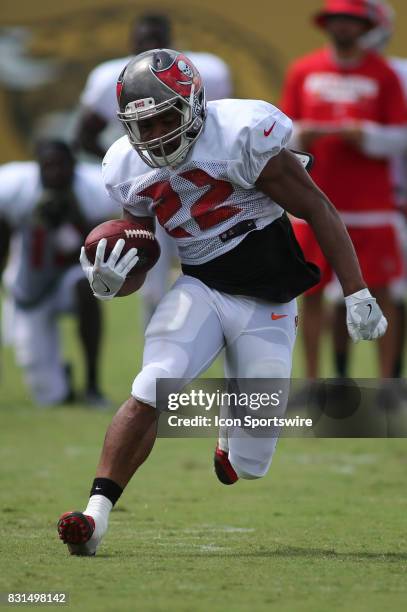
144	386
46	389
28	356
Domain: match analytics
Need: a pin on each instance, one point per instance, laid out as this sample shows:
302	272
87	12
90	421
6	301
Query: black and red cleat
76	529
223	468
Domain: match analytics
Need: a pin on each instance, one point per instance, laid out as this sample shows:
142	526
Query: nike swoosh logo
107	289
276	317
268	132
370	311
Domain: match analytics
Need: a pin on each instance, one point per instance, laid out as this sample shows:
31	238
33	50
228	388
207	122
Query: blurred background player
99	126
349	111
377	39
47	208
398	288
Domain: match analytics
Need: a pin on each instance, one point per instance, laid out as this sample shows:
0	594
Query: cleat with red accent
223	468
76	529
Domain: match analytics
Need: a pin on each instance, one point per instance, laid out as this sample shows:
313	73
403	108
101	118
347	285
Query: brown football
134	235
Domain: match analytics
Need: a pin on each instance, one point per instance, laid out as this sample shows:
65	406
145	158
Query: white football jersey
21	189
213	189
33	261
99	93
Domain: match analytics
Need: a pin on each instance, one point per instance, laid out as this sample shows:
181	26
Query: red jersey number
207	210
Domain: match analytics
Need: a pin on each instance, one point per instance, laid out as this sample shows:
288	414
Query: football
135	235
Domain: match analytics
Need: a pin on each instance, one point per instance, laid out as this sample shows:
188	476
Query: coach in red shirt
349	112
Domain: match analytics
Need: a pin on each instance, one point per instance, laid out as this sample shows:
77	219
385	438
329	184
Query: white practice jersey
99	93
214	188
36	257
21	189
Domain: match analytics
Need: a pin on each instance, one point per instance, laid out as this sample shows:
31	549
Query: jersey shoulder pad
248	124
252	131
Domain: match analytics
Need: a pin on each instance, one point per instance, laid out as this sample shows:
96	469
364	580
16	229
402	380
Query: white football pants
190	327
157	280
36	341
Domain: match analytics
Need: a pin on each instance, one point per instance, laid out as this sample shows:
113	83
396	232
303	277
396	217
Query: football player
48	207
349	112
219	179
98	122
377	39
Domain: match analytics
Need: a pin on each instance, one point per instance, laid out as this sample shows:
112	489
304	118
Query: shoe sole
75	530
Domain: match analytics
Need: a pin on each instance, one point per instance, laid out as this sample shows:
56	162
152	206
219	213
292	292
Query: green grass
323	531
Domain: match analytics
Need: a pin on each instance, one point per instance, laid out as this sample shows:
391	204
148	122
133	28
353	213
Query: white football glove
364	318
106	278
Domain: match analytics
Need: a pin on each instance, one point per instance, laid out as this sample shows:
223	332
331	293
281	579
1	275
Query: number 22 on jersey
207	211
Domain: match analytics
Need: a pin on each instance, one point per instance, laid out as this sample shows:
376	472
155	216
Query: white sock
99	508
223	430
223	443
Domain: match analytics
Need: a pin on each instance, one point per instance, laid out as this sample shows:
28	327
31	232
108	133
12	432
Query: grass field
325	530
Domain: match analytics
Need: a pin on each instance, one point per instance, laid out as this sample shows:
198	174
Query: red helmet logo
119	84
180	76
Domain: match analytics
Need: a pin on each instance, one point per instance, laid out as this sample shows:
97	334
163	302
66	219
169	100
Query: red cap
364	9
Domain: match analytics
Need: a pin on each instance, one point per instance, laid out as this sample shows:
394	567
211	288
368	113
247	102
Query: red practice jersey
318	89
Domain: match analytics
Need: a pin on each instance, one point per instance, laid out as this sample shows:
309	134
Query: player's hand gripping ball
134	235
